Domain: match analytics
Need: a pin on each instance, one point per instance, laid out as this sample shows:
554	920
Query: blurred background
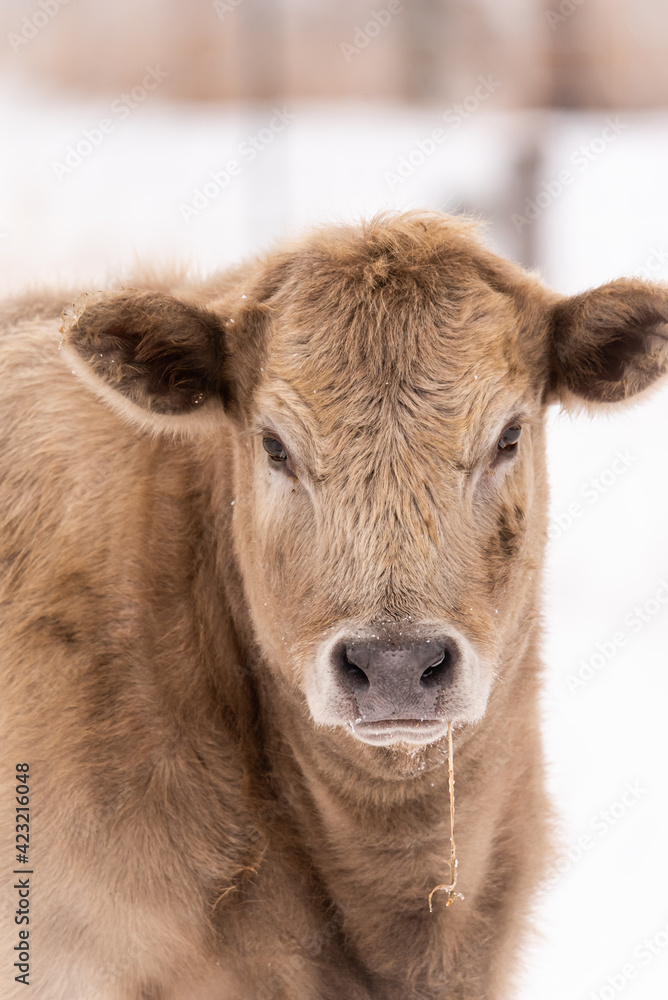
173	131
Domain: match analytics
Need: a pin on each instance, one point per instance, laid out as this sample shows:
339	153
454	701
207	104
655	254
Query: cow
270	541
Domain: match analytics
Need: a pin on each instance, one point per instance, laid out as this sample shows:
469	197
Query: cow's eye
274	448
509	439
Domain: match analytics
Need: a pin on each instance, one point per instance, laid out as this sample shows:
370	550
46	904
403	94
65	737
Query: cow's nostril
434	675
356	675
390	675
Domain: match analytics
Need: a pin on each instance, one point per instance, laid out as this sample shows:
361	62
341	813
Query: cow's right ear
155	358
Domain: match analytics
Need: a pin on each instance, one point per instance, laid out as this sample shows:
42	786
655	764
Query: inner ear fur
163	354
611	343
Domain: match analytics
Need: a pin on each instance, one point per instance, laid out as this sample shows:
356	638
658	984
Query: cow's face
386	391
390	489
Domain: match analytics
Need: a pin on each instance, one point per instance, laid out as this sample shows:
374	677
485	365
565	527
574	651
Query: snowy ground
605	917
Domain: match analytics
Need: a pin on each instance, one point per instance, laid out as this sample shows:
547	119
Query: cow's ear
151	355
611	343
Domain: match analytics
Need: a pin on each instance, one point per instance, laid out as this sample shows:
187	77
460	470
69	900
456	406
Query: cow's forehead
433	403
409	332
452	358
389	338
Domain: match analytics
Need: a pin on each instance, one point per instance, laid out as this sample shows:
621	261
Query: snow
606	738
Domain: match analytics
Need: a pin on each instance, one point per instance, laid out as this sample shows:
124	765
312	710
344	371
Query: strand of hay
450	889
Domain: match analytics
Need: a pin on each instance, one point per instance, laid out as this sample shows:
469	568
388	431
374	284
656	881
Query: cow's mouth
387	731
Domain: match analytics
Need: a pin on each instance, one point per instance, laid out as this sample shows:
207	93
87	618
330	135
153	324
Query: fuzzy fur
167	593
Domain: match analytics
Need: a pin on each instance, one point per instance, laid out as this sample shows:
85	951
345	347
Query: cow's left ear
150	350
609	343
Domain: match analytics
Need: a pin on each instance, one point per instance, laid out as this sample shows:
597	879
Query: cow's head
385	390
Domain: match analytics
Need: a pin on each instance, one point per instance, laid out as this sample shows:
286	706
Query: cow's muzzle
397	687
397	683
